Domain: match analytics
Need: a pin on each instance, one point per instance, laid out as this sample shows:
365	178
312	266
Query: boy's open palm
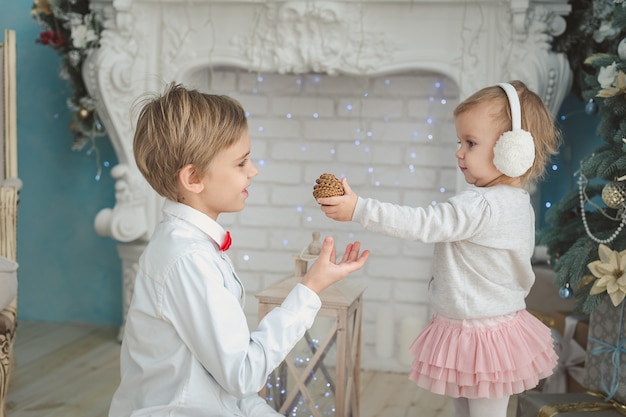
325	271
341	207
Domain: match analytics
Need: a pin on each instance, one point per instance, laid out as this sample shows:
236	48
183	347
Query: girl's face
477	133
227	179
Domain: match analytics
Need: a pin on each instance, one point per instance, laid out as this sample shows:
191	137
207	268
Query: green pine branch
595	28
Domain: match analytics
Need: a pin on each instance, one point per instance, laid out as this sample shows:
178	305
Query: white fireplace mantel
148	43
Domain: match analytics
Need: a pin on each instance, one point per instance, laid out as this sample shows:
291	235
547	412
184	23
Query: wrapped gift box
581	331
535	404
571	335
605	364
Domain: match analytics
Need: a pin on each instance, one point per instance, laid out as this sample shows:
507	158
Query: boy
187	350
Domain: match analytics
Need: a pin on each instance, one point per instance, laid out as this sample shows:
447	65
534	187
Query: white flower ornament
82	36
610	271
607	75
605	31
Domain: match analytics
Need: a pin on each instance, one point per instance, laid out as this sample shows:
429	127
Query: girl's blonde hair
183	127
536	119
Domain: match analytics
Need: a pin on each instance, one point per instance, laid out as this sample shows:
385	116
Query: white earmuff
514	152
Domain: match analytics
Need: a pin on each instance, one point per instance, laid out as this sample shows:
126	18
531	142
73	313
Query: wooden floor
67	370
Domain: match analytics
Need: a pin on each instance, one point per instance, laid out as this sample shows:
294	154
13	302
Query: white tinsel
514	153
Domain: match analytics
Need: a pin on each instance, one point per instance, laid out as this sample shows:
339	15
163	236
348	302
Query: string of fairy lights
365	137
590	109
364	140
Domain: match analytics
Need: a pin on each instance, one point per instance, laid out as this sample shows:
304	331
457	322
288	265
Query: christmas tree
585	235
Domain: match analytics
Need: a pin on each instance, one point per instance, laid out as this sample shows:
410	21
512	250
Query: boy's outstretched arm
325	271
340	208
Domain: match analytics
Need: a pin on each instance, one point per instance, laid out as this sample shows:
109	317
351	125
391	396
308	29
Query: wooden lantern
290	385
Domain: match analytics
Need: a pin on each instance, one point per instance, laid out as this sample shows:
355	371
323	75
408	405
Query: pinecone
327	186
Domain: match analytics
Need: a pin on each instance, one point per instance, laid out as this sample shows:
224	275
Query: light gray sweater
484	239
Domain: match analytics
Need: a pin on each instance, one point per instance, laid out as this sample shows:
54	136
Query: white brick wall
393	138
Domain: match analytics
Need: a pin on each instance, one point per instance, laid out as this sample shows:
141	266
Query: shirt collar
196	218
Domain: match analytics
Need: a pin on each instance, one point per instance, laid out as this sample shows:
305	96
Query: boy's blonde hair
183	127
536	119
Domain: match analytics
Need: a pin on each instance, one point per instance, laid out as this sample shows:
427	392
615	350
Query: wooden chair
9	189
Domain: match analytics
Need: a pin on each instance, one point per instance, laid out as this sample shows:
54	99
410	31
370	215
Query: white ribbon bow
571	356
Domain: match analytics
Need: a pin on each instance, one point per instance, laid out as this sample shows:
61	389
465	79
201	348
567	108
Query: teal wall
579	140
67	272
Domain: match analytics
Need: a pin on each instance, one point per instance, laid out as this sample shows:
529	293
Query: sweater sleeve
463	216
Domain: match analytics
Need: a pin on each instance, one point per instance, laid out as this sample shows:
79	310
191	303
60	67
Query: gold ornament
614	194
41	7
83	113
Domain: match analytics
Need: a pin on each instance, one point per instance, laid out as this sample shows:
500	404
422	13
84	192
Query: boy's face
477	135
227	179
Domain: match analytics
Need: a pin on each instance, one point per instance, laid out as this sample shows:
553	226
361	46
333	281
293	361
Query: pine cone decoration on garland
327	185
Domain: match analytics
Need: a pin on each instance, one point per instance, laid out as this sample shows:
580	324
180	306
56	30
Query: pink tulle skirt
483	358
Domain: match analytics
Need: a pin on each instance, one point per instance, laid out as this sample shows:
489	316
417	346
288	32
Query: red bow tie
227	242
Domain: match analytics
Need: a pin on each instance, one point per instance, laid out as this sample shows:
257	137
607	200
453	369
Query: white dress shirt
187	350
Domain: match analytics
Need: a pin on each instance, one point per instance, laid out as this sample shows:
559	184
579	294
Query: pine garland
72	30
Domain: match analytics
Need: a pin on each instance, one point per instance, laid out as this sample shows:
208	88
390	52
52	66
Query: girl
481	345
